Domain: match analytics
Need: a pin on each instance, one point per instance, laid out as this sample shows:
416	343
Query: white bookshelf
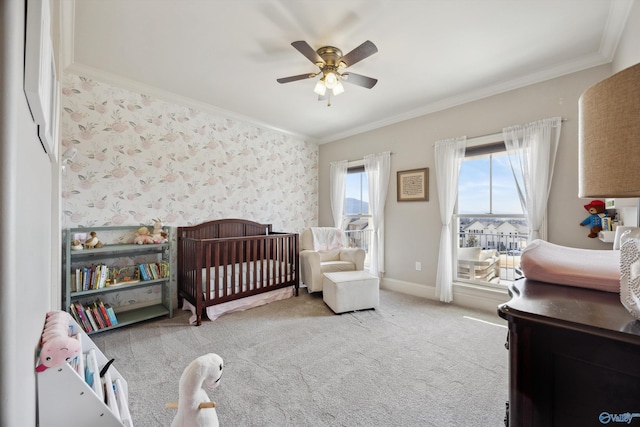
66	399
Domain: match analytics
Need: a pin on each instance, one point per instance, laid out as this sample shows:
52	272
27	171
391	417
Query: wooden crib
229	259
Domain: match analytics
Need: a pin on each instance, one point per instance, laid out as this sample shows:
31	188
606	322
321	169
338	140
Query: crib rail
216	270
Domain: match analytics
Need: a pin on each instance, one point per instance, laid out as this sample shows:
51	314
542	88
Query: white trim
484	139
464	294
67	30
618	15
586	62
355	163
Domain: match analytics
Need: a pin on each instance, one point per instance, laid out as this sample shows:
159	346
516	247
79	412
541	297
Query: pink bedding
584	268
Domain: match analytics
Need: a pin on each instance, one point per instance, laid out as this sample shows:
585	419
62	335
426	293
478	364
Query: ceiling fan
331	61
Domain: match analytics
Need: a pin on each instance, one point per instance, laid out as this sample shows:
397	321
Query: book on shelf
78	362
94	316
89	278
84	321
123	406
94	325
103	311
109	394
112	314
92	373
154	271
97	315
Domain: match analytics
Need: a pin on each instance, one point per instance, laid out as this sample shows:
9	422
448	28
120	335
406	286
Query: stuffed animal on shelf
58	347
158	235
195	409
597	211
76	245
93	242
143	236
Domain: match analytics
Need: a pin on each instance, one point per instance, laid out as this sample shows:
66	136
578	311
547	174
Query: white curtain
377	167
532	154
337	182
449	154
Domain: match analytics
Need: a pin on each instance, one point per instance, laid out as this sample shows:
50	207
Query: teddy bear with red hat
597	211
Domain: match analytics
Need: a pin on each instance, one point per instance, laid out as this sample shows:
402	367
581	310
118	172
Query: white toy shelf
66	399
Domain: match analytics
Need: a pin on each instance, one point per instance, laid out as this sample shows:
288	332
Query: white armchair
322	250
478	264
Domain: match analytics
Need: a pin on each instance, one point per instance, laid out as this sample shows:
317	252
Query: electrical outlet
418	266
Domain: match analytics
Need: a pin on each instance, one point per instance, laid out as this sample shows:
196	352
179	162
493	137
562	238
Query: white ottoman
350	290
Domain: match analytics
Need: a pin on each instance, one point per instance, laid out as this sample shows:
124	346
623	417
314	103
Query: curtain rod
391	153
500	132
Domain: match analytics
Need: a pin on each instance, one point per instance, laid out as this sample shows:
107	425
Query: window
357	192
357	218
489	217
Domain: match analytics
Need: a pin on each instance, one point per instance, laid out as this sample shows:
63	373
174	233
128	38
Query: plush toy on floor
195	409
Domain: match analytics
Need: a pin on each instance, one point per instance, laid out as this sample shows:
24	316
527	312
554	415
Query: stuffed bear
58	347
194	406
597	211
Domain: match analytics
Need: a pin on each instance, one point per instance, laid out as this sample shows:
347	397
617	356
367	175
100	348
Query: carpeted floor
411	362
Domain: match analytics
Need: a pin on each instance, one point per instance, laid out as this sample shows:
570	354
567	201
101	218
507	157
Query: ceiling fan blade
359	80
296	78
304	48
363	51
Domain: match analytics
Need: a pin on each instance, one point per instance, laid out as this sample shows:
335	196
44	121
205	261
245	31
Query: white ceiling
225	55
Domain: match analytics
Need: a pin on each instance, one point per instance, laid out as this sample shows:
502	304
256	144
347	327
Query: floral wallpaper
140	158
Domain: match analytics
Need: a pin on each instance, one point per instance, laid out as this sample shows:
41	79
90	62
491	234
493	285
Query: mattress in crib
242	277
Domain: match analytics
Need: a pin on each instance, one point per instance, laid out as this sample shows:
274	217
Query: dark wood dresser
574	357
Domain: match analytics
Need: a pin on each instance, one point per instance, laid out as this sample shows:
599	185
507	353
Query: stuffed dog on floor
193	410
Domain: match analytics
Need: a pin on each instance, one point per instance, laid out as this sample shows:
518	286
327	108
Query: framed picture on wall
40	84
413	185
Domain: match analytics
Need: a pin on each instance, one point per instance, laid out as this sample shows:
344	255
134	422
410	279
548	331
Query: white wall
26	255
628	52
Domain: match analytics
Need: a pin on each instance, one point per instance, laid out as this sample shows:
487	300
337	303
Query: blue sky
474	182
473	193
353	188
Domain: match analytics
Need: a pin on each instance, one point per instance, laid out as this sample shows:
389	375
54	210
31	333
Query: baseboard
464	294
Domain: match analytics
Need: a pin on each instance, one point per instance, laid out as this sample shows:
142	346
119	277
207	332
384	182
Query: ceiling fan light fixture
338	89
331	62
320	88
330	80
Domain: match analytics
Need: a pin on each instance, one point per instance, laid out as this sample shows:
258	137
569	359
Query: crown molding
616	22
568	67
137	87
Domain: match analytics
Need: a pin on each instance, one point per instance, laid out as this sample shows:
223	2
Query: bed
234	264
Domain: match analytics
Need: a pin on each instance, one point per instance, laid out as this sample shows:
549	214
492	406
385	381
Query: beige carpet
412	362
